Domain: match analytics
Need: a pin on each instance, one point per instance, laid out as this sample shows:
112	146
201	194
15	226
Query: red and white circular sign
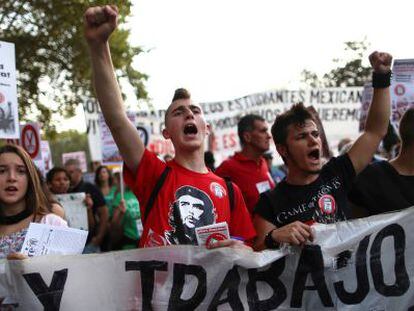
327	204
30	140
399	90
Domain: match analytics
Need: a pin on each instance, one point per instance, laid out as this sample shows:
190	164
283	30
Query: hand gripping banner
365	264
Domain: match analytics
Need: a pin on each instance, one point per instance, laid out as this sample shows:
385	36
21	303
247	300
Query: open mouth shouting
190	129
314	156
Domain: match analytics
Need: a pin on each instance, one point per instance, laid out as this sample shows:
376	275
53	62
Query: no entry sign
30	140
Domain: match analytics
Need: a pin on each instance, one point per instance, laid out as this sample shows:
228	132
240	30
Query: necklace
9	220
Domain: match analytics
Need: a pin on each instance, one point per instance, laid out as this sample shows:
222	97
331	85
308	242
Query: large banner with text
338	109
357	265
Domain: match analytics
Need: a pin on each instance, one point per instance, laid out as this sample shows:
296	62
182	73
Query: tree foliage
350	70
52	57
68	141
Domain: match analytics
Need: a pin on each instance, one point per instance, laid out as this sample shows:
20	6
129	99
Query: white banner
365	264
9	118
338	109
92	110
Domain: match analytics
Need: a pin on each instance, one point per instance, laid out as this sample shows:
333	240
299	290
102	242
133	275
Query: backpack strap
155	192
230	189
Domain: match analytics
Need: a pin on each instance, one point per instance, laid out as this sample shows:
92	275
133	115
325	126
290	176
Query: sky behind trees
226	49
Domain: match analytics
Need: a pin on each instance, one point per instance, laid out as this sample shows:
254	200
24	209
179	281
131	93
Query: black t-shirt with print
380	188
323	201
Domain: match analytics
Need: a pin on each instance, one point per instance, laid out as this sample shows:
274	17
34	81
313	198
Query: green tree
350	70
68	141
51	50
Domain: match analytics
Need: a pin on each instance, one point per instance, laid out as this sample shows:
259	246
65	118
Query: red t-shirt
252	177
186	200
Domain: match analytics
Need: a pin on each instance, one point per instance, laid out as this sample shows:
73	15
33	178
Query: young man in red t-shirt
191	195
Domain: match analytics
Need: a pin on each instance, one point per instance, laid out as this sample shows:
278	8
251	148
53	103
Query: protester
311	192
54	205
95	202
247	168
58	180
187	129
125	225
386	186
105	182
22	199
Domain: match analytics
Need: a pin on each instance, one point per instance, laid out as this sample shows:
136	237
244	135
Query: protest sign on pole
9	118
92	110
110	152
362	264
46	155
79	155
402	88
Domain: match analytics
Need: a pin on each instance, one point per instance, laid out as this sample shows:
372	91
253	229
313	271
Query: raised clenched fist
380	62
100	22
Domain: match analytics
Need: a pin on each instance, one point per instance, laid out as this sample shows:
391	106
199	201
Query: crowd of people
165	200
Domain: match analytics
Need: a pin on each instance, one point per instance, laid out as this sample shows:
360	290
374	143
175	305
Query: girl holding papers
22	199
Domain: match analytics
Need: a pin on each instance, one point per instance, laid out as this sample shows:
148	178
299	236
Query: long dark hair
98	182
35	198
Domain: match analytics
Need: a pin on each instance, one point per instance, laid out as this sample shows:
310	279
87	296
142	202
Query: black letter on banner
231	283
180	271
310	261
49	297
361	276
402	281
270	276
147	269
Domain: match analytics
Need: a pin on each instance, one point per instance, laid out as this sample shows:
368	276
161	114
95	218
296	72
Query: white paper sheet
42	239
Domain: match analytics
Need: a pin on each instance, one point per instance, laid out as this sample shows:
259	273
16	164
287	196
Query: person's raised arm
99	23
376	125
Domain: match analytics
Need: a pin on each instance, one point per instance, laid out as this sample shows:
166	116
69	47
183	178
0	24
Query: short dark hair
407	128
54	171
180	93
297	114
246	124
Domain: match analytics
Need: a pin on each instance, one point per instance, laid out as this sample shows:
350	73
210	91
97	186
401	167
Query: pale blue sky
229	48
